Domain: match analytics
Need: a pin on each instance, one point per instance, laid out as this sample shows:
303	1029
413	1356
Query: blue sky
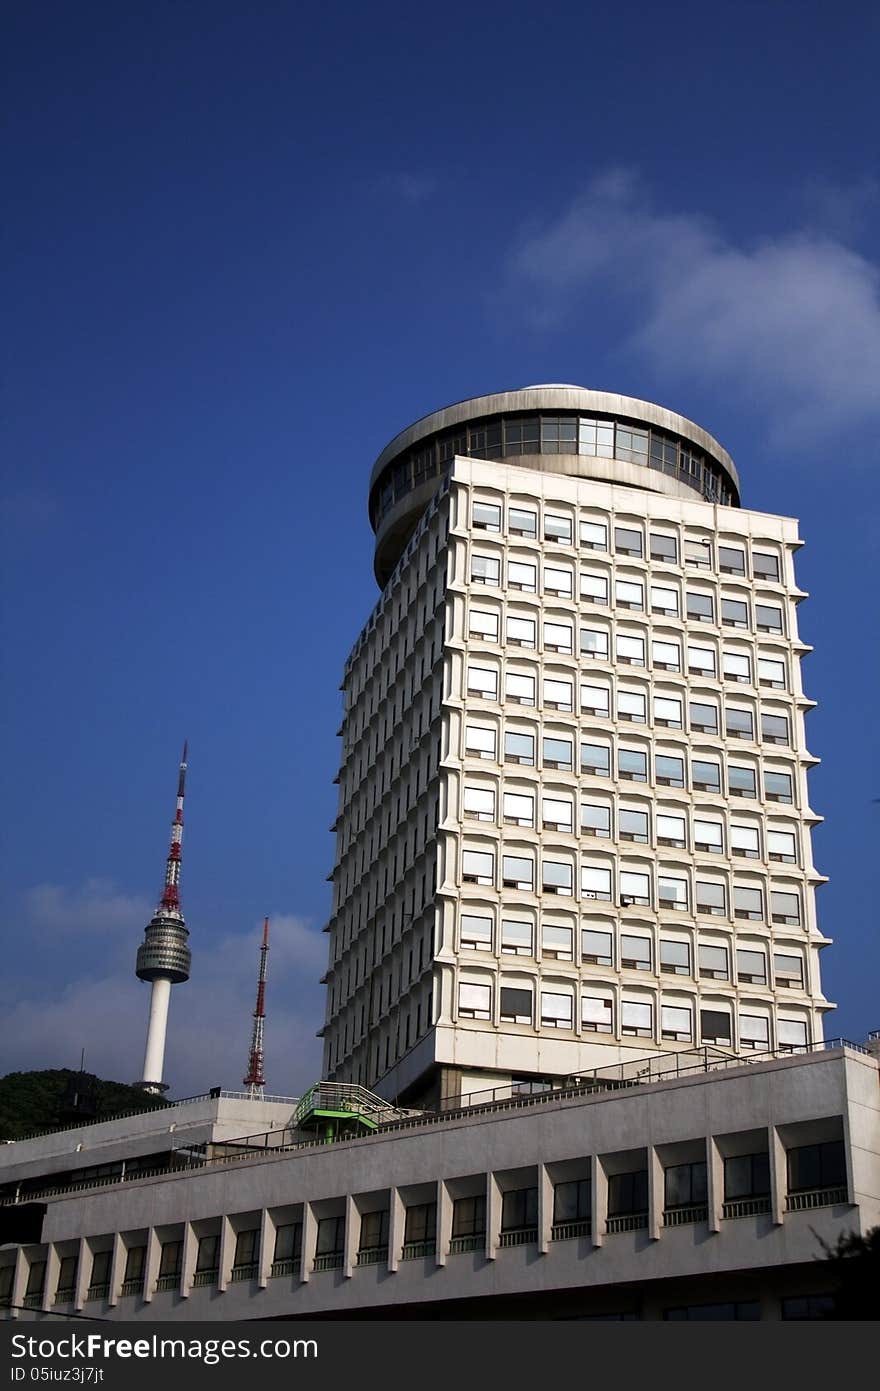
245	245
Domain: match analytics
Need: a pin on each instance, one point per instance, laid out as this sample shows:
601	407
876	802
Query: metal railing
65	1294
244	1272
815	1197
684	1216
345	1096
374	1255
33	1301
745	1207
98	1291
332	1261
567	1231
458	1245
627	1222
519	1236
201	1278
168	1282
130	1287
219	1094
415	1250
289	1266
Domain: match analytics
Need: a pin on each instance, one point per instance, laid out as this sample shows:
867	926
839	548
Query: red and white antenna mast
255	1080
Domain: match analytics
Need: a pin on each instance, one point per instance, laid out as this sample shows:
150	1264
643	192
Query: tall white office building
574	822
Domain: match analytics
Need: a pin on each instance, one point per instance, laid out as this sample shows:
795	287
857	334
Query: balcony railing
373	1255
332	1261
745	1207
627	1222
168	1282
133	1286
244	1272
289	1266
567	1231
518	1236
64	1294
205	1277
815	1197
684	1216
415	1250
33	1301
460	1244
98	1291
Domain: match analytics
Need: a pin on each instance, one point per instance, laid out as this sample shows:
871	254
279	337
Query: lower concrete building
688	1186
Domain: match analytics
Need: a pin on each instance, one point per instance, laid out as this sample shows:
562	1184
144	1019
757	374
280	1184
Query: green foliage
856	1263
34	1101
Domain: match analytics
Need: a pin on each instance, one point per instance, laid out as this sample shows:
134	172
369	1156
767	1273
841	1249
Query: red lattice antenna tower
255	1080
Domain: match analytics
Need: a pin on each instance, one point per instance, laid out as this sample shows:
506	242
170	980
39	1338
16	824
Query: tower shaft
255	1079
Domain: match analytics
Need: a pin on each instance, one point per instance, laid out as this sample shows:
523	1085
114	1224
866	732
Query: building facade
574	822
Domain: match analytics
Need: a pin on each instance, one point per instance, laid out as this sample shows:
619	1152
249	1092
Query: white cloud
791	323
210	1018
95	907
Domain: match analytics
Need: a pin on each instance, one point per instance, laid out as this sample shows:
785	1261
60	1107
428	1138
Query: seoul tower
164	958
255	1079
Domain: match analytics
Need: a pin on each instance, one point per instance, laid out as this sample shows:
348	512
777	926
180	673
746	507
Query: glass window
594	588
771	672
596	1014
676	1022
635	952
698	554
516	937
685	1185
595	699
556	1010
675	958
169	1259
664	600
518	689
791	1034
485	569
288	1242
486	516
421	1223
483	682
521	575
751	966
665	656
571	1201
741	781
672	892
515	1005
671	830
701	660
479	742
765	565
596	947
596	437
596	759
636	1018
627	541
247	1245
667	712
629	595
748	903
713	962
768	618
522	522
817	1166
517	872
476	932
478	867
668	771
774	729
734	613
708	835
745	841
788	970
714	1026
519	1210
736	666
479	803
785	908
631	445
521	631
778	787
556	877
483	624
632	764
747	1176
706	775
711	897
519	809
627	1193
731	560
664	548
754	1031
474	1001
633	825
631	706
594	535
704	717
594	643
557	528
700	607
519	748
630	650
782	846
558	581
596	883
558	695
469	1216
556	941
738	724
595	819
558	753
635	888
557	814
558	637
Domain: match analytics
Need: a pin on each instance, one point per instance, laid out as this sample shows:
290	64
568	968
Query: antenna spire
170	900
255	1080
